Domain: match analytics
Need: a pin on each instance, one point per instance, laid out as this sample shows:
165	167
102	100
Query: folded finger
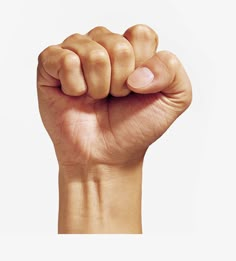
144	41
121	57
60	67
95	64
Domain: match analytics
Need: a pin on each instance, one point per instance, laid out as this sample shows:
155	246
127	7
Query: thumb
163	73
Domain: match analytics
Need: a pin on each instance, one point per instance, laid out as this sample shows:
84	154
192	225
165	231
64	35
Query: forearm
100	199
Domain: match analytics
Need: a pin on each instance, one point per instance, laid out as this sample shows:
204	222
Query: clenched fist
104	98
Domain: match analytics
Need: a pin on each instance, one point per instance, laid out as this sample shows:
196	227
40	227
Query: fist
104	97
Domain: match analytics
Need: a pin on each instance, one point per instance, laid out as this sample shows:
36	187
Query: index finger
144	41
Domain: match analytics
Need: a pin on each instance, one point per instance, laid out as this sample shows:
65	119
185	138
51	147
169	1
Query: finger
59	67
95	63
164	74
121	57
144	41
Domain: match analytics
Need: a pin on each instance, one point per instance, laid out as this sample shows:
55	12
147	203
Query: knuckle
45	53
72	38
119	93
72	91
187	100
97	56
69	61
181	80
97	96
123	49
97	30
41	57
68	91
170	59
141	28
143	32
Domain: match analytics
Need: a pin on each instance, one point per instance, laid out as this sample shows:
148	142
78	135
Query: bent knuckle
122	49
97	31
69	61
97	56
170	59
71	91
68	91
180	81
45	53
187	98
120	92
72	38
143	32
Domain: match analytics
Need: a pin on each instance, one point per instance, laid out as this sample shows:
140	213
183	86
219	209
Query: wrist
100	199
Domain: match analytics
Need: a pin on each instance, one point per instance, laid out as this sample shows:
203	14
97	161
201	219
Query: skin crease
93	114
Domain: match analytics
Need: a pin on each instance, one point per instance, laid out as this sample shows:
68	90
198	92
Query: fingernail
141	77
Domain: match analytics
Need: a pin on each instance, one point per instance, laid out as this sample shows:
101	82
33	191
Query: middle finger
121	56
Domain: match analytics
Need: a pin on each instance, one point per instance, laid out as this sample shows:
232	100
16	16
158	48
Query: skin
101	119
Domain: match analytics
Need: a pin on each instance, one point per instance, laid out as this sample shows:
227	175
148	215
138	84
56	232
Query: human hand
104	98
97	108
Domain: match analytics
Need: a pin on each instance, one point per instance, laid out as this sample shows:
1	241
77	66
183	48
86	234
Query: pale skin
104	98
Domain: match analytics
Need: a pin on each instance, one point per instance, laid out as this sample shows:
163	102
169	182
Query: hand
104	98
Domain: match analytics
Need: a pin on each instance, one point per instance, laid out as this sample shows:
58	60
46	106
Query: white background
189	184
